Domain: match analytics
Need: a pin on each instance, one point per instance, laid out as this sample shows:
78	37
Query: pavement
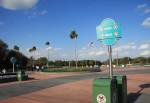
71	87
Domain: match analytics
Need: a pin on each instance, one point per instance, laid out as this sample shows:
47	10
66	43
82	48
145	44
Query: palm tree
33	49
47	44
30	50
31	59
73	36
16	48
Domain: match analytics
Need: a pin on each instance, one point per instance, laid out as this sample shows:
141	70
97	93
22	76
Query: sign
108	32
101	98
13	60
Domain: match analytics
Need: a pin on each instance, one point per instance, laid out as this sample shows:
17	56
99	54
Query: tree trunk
69	64
76	62
47	58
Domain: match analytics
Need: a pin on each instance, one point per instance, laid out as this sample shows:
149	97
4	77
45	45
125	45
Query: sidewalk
81	92
139	88
35	76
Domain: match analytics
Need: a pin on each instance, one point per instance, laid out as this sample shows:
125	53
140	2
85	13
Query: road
29	87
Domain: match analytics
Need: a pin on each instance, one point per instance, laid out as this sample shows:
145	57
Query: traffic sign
13	60
108	32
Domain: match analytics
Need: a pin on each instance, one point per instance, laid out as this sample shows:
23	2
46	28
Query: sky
29	23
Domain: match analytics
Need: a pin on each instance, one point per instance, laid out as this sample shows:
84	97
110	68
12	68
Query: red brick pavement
76	92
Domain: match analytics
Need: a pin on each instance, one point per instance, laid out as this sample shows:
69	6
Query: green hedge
72	70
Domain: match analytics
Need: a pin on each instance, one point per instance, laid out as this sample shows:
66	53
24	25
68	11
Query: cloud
94	53
144	8
145	53
49	48
144	46
132	43
101	53
18	4
141	6
91	53
146	11
129	46
146	22
43	12
54	53
36	13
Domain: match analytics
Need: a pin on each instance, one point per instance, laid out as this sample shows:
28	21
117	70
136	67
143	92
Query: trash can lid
102	82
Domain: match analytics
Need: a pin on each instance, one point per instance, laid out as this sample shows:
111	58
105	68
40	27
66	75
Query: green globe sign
108	32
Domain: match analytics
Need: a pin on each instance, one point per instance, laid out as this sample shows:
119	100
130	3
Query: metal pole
117	56
95	62
48	58
13	67
110	61
129	60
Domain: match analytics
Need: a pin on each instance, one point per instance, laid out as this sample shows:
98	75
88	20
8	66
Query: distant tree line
129	60
6	54
60	63
86	63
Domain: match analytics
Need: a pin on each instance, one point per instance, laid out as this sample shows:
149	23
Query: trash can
122	88
21	76
105	90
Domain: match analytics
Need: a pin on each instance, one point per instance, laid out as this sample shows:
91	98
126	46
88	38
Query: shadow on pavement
132	97
7	80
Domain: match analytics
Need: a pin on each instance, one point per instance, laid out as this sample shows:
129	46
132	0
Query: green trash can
21	76
105	90
122	88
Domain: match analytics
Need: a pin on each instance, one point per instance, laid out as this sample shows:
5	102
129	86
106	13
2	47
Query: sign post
110	89
13	67
108	32
110	61
13	61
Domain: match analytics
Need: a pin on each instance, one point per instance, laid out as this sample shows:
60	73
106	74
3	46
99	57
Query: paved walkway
139	88
70	89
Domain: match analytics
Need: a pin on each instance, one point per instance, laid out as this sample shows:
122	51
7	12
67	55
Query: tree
41	61
3	54
73	36
33	49
91	62
16	48
47	44
140	60
3	44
